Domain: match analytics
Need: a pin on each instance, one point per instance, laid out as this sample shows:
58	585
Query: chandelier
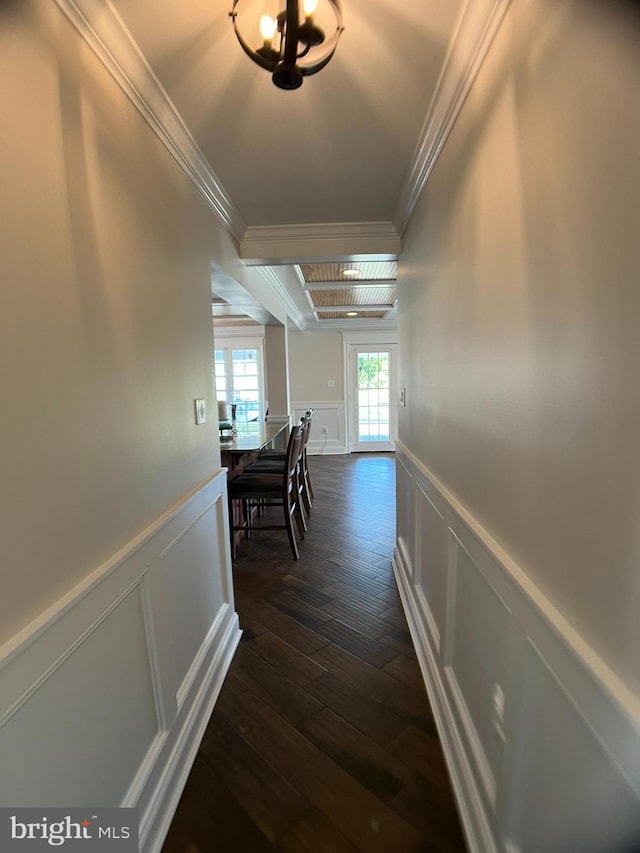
293	46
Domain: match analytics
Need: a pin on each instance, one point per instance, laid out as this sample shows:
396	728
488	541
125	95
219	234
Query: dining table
248	439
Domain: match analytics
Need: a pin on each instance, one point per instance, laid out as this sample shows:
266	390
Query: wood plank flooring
322	739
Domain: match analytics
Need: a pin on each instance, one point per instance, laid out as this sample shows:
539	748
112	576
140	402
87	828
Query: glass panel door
373	414
373	396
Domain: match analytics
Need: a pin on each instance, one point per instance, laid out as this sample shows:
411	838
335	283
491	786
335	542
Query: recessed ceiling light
352	313
352	273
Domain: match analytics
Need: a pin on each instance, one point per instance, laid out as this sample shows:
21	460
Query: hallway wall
105	321
114	550
315	358
519	339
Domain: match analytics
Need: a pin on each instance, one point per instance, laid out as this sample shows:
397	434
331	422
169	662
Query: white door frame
371	341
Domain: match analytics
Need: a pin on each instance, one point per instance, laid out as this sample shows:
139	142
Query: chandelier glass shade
294	42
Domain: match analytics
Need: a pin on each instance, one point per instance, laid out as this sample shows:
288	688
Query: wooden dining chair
274	463
274	488
269	460
308	488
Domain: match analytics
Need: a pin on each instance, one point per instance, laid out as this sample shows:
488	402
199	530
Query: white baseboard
472	815
325	448
156	820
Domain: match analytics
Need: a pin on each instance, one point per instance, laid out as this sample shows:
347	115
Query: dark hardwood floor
322	739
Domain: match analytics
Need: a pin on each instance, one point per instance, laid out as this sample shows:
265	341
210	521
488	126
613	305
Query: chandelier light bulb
300	47
267	27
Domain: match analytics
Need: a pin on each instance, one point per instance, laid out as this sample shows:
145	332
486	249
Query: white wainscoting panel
405	514
182	568
478	625
329	416
541	738
59	741
563	765
104	697
429	567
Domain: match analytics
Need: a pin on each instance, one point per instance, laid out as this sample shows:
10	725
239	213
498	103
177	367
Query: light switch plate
201	410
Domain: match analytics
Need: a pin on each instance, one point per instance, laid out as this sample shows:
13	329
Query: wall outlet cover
201	410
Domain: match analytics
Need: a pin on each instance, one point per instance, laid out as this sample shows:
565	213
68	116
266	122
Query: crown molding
360	327
476	28
338	241
104	31
352	336
280	291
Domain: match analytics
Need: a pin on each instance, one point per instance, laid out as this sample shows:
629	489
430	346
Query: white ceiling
347	153
336	150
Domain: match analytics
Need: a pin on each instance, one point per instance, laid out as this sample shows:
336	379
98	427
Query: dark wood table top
251	437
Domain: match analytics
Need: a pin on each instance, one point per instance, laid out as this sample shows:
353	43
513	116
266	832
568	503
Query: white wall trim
329	413
154	657
272	279
157	817
104	31
305	243
251	337
387	336
196	664
146	769
476	29
186	530
628	702
330	447
32	631
477	830
388	326
430	622
595	716
477	752
422	500
119	640
66	653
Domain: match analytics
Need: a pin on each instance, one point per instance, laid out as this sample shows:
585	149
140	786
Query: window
238	372
373	396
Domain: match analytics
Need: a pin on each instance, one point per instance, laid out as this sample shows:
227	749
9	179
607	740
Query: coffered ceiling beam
353	284
359	308
342	242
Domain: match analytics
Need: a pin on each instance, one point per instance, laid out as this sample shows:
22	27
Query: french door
238	372
373	414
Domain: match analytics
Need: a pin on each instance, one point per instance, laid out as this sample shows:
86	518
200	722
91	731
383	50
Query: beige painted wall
105	320
276	371
519	306
314	358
